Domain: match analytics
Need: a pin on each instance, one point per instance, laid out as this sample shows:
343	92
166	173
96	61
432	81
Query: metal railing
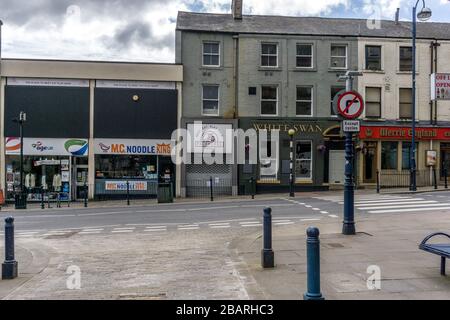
401	179
209	188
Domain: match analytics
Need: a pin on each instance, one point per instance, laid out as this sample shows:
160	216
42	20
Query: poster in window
431	158
65	176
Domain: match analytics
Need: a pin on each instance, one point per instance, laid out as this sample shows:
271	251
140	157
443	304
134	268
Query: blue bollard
313	265
267	255
10	266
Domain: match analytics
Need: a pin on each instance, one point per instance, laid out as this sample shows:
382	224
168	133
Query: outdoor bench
442	250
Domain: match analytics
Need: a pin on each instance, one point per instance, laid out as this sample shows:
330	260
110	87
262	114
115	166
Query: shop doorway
80	169
370	162
445	158
337	166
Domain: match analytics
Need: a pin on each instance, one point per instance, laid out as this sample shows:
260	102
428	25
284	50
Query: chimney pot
236	9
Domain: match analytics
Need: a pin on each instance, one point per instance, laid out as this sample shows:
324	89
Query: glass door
370	162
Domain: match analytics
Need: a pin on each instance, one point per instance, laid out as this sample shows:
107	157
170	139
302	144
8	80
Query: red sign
404	133
350	105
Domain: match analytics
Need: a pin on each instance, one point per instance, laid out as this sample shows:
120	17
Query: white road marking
24	233
406	206
220	227
129	228
316	209
157	227
395	200
280	221
88	232
284	223
394	203
190	228
214	208
122	231
308	206
91	230
306	220
219	224
156	230
333	216
251	225
324	212
410	210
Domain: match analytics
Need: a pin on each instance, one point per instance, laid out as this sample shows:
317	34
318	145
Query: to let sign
440	86
351	126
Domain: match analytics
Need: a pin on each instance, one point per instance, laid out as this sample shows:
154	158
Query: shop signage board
133	147
351	126
122	185
161	85
404	133
47	147
350	105
210	137
40	82
440	86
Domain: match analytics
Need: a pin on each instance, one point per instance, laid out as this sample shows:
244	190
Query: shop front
134	166
318	158
387	150
53	167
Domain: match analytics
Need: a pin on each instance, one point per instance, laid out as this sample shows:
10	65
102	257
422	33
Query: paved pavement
210	250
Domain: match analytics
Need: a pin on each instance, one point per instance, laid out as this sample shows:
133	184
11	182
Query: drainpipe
235	73
431	72
436	44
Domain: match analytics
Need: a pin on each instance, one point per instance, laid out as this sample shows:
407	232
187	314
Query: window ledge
299	69
373	71
337	69
375	119
211	68
266	69
406	72
268	182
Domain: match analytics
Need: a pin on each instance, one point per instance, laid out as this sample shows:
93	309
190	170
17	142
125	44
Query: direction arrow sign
350	105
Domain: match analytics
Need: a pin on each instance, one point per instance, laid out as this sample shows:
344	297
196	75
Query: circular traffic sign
350	105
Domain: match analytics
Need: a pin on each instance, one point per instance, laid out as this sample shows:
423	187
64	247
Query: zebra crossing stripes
393	204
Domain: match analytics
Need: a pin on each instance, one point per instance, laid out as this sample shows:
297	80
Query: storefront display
46	166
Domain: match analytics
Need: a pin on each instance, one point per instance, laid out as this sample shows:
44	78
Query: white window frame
268	54
311	101
346	56
400	58
261	100
399	103
304	56
331	102
367	101
302	179
218	100
210	54
381	57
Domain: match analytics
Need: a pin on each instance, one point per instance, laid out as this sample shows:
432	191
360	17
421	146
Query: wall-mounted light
136	98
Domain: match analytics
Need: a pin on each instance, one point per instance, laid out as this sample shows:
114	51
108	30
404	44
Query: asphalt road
318	207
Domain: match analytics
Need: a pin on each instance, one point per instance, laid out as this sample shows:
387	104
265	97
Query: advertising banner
208	137
133	147
404	133
122	185
440	86
40	82
47	147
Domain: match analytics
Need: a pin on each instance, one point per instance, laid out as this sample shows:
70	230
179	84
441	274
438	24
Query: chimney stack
236	9
397	15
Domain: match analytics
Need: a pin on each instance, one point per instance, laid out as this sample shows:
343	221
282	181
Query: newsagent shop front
387	149
51	166
141	163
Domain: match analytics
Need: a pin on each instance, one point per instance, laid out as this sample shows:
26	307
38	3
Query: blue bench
442	250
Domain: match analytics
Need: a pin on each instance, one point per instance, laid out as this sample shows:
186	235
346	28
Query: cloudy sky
143	30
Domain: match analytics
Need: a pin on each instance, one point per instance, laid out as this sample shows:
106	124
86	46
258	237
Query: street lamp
21	204
291	165
423	15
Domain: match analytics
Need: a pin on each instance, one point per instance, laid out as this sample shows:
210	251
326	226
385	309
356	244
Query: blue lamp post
423	15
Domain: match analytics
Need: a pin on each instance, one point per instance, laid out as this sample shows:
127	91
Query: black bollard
211	188
128	193
85	193
252	182
267	255
445	178
378	182
42	199
10	266
313	265
435	178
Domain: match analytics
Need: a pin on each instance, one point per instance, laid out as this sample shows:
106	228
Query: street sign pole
349	187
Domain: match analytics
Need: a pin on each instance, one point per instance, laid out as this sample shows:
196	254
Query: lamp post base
9	270
349	229
267	259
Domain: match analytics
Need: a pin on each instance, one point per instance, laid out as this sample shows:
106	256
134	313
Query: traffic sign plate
350	105
351	126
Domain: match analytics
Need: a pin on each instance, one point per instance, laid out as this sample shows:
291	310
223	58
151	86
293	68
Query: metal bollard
267	255
85	195
10	266
252	182
446	178
435	179
42	199
378	182
211	188
128	193
313	265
